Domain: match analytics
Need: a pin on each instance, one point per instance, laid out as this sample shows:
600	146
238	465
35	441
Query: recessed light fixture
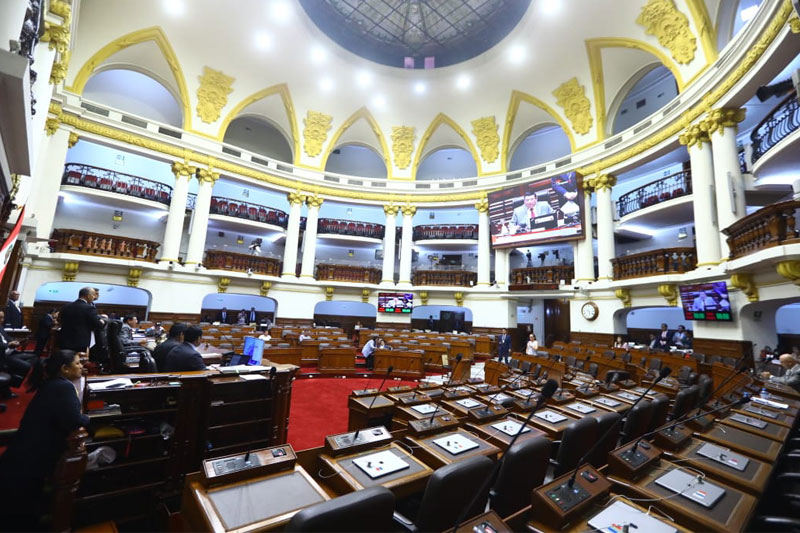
463	82
326	84
378	101
364	79
263	40
516	54
318	54
279	10
420	88
174	8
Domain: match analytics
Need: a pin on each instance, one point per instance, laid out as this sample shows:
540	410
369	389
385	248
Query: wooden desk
290	356
405	363
435	456
364	413
336	361
346	476
263	503
490	518
744	442
554	430
730	513
499	438
766	414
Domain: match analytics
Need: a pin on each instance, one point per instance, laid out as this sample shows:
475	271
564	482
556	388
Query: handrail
770	226
672	186
336	226
75	241
218	259
444	278
655	263
445	231
248	211
782	120
352	273
104	179
543	277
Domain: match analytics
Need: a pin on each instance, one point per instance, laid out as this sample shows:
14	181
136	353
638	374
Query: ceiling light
364	79
516	54
263	40
463	82
748	13
326	84
174	8
420	88
318	54
279	10
550	7
378	101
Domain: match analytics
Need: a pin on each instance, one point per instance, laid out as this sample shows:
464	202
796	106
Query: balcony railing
446	231
335	226
87	243
356	274
103	179
449	278
541	278
672	186
217	259
248	211
776	126
770	226
655	263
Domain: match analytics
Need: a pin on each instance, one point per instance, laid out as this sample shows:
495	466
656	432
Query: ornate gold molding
624	295
571	96
329	293
73	139
488	140
670	293
408	210
296	198
459	296
60	67
134	274
57	36
403	145
789	270
694	135
391	209
70	271
265	287
482	205
223	284
745	283
183	168
662	19
206	175
365	295
314	201
315	132
51	125
212	95
719	119
602	182
794	24
62	9
423	297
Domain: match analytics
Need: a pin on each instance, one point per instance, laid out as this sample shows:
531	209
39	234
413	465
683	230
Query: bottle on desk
764	393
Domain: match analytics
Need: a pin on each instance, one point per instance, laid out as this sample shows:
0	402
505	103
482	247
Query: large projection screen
545	210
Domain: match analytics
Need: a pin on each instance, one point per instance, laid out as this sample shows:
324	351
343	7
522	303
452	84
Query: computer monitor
254	350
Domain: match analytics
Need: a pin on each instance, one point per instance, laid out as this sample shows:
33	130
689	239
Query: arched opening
226	308
637	324
787	326
259	135
540	144
732	17
646	92
447	163
345	315
115	301
354	159
446	318
135	93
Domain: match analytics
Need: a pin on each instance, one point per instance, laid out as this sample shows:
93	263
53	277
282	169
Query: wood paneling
590	339
723	347
556	321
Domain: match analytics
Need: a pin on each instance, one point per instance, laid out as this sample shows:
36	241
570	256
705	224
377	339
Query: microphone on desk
550	365
504	388
740	368
664	372
441	396
385	377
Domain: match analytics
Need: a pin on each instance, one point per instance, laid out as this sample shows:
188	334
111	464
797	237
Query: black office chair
513	363
5	389
119	353
593	370
447	494
612	376
626	357
685	400
660	411
683	375
570	360
699	357
361	511
653	367
576	440
524	468
536	371
526	367
147	364
605	421
609	354
637	421
704	384
730	361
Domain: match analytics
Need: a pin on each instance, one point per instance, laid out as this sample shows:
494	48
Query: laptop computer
724	456
692	487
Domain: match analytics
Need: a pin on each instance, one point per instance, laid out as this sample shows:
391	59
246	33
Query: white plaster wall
135	93
355	160
532	315
543	145
446	164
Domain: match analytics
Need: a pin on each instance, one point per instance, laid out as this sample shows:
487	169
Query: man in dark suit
17	363
664	338
174	338
431	323
79	320
185	357
222	316
46	324
504	346
252	316
13	318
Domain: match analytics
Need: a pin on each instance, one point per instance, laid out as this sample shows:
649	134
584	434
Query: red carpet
319	407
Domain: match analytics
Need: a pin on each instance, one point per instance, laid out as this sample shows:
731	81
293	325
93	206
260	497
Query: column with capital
721	127
407	243
501	270
296	200
197	237
173	232
46	179
584	248
389	238
606	250
484	242
310	238
707	239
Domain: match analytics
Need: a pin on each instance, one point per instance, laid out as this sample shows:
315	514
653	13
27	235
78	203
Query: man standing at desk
792	375
79	320
185	357
368	350
523	218
503	346
13	313
222	316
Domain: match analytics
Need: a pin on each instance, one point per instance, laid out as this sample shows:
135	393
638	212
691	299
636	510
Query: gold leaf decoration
60	67
719	119
662	19
73	139
365	295
70	271
402	145
57	36
602	182
746	284
694	135
51	125
265	287
62	9
459	296
296	198
207	175
315	131
572	97
329	293
789	270
212	95
794	25
223	284
485	131
423	296
670	293
624	295
391	209
134	274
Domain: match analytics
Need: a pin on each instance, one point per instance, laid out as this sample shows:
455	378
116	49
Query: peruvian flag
8	246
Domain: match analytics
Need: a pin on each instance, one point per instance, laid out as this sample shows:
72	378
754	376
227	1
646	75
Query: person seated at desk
129	324
185	357
681	339
174	338
304	336
241	318
532	345
382	345
792	375
368	350
524	216
155	331
53	413
16	362
703	302
265	336
653	343
620	343
46	325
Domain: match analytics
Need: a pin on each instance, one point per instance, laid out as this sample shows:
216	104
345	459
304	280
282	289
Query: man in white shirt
368	350
702	302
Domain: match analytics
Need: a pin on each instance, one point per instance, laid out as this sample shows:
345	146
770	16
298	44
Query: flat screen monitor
544	210
253	350
706	301
395	302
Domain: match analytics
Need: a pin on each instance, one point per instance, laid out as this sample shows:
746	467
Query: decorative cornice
391	209
57	36
265	287
212	94
602	182
745	283
223	284
206	175
488	140
662	19
423	297
329	293
670	293
624	295
403	145
183	168
459	296
62	9
70	271
483	205
51	125
789	270
296	198
134	274
365	295
73	139
694	135
315	132
571	96
409	210
719	119
314	201
794	24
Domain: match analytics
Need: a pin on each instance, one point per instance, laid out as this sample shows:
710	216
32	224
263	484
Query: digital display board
395	302
706	301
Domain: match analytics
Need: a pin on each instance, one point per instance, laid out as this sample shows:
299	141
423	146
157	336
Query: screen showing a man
706	301
524	217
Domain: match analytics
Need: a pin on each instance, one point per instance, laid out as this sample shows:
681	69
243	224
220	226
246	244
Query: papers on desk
380	464
628	396
425	408
111	384
243	369
455	443
469	403
608	402
550	416
770	403
755	422
581	407
616	516
510	427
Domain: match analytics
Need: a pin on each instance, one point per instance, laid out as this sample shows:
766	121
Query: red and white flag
8	246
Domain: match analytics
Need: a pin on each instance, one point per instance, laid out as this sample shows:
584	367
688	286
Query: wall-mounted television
544	210
706	301
395	302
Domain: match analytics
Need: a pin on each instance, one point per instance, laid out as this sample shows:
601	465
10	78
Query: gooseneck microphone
664	372
548	389
485	410
441	397
385	377
546	373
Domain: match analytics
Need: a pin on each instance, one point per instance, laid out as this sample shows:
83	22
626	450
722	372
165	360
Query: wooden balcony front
655	263
541	278
87	243
216	259
770	226
352	273
446	278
